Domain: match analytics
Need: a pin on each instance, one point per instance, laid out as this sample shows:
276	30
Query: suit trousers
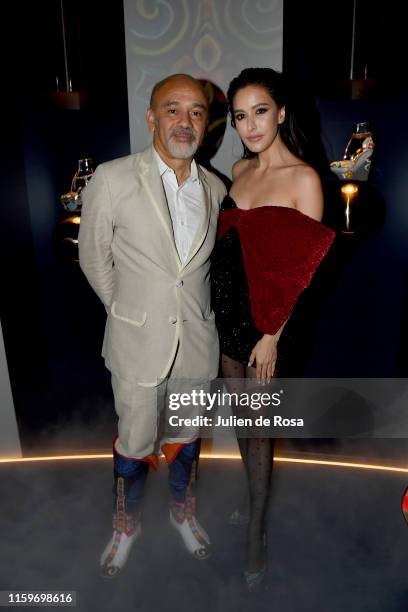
143	413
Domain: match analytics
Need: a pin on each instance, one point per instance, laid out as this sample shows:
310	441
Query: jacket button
179	283
172	320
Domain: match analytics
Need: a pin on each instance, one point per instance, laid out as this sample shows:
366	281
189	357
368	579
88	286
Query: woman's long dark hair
308	149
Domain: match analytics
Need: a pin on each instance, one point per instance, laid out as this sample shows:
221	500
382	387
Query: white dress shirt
186	205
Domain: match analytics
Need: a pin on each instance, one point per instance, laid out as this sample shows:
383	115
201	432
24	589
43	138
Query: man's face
178	118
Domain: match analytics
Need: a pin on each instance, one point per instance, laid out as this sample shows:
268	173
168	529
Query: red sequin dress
263	259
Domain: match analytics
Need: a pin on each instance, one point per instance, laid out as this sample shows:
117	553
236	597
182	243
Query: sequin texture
263	260
230	296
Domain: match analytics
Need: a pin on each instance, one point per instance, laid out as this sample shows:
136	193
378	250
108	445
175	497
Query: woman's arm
307	196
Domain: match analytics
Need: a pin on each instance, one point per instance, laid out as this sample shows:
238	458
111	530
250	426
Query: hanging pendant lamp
68	99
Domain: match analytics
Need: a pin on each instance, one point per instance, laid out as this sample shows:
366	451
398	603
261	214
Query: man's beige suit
156	305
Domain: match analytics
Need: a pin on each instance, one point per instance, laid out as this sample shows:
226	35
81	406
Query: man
147	230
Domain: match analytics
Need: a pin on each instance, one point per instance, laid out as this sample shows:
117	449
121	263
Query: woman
270	243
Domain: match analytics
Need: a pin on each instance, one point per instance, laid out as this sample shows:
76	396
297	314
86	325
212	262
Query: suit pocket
128	314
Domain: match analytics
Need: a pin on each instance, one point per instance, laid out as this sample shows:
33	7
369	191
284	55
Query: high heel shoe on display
356	169
356	163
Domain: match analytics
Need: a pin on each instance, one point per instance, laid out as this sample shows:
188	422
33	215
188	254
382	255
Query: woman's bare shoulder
307	191
305	175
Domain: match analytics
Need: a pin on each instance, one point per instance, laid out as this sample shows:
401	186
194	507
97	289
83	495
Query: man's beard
182	150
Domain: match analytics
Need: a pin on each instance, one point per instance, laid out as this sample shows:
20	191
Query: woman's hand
264	353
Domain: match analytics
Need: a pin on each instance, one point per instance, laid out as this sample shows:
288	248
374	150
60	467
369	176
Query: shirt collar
163	168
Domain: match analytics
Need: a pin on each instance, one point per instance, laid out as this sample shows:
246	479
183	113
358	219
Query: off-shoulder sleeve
281	249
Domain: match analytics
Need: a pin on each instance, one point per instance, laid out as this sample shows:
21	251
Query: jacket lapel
153	185
205	218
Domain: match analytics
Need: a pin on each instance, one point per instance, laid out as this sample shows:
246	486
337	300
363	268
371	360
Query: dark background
353	321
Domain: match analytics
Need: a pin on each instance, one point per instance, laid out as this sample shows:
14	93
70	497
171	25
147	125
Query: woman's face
257	117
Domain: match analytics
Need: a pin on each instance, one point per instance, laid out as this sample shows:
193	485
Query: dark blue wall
362	319
52	321
361	328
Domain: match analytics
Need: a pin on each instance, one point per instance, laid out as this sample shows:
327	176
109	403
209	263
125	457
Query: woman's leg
232	369
257	456
234	372
259	464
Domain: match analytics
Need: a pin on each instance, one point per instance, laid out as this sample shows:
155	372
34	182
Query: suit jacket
128	254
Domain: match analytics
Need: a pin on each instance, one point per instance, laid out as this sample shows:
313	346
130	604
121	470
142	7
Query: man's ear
150	119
